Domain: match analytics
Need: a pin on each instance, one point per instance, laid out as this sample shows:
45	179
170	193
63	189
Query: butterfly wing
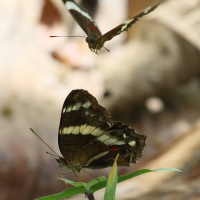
122	140
82	120
124	26
89	138
83	18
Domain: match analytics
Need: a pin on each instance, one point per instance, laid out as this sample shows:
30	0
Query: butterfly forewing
124	26
83	18
82	120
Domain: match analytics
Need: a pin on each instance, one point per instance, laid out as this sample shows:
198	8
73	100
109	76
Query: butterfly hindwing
122	140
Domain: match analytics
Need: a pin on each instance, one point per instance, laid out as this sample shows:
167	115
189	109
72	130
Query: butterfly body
95	39
90	138
93	43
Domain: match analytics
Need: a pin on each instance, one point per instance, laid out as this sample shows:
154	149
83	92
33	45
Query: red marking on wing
112	33
67	161
93	26
114	148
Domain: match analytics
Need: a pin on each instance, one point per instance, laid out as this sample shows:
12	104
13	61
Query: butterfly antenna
43	141
106	49
66	36
78	36
51	154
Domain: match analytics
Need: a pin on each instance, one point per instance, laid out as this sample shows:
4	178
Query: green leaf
95	185
95	181
98	186
143	171
76	184
112	182
166	169
101	185
66	193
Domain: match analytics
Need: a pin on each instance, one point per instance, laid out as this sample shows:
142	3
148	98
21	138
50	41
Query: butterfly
95	39
88	137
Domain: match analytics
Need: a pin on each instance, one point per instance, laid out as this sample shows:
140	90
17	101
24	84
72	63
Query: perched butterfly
89	137
95	39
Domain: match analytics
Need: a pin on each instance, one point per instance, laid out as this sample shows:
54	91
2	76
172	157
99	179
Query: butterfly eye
90	40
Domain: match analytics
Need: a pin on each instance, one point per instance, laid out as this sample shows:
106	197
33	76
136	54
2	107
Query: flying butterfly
95	39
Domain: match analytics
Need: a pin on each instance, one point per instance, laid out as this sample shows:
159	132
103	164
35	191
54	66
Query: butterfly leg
95	51
91	49
91	175
61	174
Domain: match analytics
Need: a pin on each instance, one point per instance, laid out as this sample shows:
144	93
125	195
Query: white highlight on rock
77	106
132	143
124	135
88	130
72	6
154	104
76	130
86	104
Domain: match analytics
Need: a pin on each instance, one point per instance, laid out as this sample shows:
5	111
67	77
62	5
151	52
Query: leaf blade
66	193
112	182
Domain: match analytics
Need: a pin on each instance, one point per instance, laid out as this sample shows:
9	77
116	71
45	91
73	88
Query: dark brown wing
124	26
83	18
89	138
121	140
82	120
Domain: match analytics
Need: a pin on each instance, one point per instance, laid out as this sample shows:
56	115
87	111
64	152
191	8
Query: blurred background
150	80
